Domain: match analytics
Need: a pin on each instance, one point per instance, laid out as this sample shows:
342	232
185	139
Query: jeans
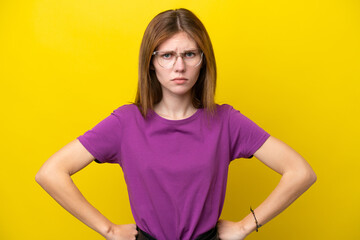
212	234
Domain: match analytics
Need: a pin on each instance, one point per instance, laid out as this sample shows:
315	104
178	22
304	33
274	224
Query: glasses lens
166	59
191	58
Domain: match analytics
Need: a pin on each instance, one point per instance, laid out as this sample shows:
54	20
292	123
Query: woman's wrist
246	226
107	230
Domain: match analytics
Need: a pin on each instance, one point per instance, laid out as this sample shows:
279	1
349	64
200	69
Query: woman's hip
212	234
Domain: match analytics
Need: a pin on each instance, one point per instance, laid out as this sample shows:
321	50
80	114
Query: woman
174	145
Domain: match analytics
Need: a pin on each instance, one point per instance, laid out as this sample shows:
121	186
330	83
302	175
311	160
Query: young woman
174	145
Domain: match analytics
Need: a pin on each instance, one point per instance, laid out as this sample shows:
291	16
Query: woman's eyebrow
186	50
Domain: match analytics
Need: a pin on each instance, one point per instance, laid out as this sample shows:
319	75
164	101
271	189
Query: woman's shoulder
228	111
126	110
224	107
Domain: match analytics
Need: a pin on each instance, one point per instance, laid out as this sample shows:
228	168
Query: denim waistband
212	234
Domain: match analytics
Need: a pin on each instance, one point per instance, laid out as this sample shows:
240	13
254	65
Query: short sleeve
246	137
103	140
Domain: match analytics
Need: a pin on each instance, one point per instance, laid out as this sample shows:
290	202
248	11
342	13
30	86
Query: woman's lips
180	80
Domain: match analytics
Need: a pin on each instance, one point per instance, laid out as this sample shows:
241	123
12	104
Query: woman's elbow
306	173
41	176
303	175
312	176
46	173
308	176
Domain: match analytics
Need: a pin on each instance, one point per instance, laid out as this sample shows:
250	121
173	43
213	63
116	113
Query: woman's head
163	27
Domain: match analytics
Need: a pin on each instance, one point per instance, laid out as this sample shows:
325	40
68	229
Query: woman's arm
55	177
297	177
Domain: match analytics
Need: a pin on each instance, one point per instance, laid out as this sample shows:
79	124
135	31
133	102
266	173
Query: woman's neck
175	110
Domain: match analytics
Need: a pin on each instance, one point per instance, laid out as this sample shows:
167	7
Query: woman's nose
179	64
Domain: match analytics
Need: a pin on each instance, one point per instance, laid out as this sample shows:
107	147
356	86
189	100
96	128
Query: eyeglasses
167	59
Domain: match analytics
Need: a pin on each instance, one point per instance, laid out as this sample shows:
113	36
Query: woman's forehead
179	41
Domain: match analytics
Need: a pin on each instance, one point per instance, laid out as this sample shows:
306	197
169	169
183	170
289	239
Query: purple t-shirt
175	170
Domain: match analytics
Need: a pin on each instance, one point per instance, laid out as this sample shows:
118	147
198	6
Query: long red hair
163	26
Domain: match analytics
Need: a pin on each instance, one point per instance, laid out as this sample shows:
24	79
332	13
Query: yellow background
290	66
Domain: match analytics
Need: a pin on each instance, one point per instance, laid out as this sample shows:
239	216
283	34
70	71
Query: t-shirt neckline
185	120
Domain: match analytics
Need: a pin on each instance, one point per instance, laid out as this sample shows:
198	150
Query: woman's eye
190	54
166	55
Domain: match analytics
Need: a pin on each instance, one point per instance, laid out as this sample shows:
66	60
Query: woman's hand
230	230
122	232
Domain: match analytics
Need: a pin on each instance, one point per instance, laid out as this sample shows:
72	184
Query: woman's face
180	78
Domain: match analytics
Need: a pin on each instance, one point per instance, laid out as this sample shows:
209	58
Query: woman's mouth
179	80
